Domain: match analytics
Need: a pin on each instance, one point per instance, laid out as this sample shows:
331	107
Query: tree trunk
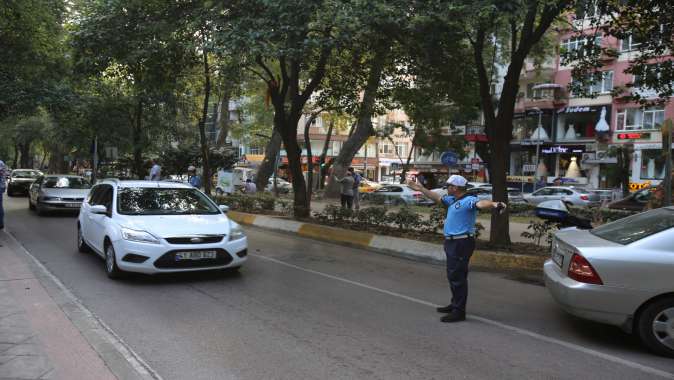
15	161
364	127
202	127
266	169
406	166
25	154
310	156
624	161
302	204
137	136
223	118
324	154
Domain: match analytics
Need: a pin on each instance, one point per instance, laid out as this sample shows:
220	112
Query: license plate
558	258
73	205
195	255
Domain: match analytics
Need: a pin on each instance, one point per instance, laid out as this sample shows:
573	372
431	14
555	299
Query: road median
408	248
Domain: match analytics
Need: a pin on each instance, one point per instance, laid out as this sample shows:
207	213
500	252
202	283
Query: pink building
580	129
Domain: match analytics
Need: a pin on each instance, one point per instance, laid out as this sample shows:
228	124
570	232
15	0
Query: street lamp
538	136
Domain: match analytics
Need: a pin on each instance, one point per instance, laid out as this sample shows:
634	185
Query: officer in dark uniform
459	231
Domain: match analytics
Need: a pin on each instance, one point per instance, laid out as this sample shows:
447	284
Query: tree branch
317	76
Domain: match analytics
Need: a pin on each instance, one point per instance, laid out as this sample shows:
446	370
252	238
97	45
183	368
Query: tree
514	29
288	45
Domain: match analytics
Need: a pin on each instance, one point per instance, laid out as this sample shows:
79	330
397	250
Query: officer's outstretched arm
437	198
487	204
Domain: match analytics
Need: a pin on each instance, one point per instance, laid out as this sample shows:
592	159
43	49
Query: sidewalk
45	333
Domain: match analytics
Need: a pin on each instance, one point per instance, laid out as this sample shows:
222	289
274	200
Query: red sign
632	135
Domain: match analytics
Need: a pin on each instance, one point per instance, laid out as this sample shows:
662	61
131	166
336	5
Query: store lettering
577	109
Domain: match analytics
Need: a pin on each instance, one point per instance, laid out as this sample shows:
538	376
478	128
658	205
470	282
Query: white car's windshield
163	201
636	227
65	183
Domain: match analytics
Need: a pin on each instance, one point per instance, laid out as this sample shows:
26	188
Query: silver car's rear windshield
25	174
65	183
163	201
636	227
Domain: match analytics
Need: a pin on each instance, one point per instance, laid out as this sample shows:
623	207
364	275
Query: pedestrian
459	231
346	190
357	179
193	178
155	171
4	174
249	187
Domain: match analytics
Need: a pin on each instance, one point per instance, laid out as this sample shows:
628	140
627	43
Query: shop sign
634	186
560	149
519	178
581	109
633	135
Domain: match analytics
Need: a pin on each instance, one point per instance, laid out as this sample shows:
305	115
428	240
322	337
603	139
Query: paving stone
25	367
14	337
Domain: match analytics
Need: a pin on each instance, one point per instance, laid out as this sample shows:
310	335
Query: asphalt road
302	309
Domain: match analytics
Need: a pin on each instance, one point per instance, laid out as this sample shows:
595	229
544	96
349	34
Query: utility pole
667	147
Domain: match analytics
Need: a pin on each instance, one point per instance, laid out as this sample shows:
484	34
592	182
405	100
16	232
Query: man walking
459	231
4	174
346	190
155	171
356	183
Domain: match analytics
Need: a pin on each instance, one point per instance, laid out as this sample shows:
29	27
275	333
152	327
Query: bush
521	208
372	216
266	201
599	215
405	219
334	214
539	230
437	218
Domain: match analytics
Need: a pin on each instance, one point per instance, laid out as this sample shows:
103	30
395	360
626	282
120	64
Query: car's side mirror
224	208
99	209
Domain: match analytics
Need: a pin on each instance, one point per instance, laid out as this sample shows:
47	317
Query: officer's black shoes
455	316
445	309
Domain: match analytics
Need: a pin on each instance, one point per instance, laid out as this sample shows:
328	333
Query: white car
282	185
158	227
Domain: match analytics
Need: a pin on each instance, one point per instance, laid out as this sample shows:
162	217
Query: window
652	164
534	93
66	183
586	9
164	201
386	148
401	149
336	147
255	150
628	230
630	43
640	119
575	43
603	86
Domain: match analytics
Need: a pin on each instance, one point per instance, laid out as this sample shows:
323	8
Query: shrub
266	201
405	219
437	218
521	208
373	216
334	214
539	230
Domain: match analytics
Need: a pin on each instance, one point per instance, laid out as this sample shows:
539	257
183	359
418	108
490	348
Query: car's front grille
72	199
168	260
197	239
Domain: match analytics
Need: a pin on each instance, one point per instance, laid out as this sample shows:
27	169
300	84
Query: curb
412	249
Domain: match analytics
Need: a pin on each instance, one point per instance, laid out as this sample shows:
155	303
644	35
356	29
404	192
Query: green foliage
255	203
405	219
538	231
599	215
372	216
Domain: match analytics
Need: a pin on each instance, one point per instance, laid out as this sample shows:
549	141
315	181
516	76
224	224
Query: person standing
4	174
356	184
155	171
249	187
459	231
346	190
193	178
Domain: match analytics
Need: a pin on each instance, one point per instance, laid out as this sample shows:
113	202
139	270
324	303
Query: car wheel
655	326
399	202
82	246
39	208
10	193
31	206
111	268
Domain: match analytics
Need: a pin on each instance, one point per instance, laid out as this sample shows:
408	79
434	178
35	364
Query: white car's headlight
235	231
139	236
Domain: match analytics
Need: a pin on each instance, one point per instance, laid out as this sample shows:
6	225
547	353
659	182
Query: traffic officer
459	231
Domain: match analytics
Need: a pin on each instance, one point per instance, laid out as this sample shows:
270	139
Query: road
302	309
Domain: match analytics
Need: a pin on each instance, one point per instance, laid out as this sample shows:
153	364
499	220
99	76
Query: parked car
514	195
397	195
156	227
621	274
58	193
636	201
20	181
567	194
469	185
282	185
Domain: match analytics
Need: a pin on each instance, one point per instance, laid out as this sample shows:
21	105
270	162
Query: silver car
621	273
397	195
569	195
58	193
485	193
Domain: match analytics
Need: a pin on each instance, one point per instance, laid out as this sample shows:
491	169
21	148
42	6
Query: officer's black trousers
458	253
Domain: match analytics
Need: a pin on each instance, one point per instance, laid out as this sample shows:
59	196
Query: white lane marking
531	334
105	332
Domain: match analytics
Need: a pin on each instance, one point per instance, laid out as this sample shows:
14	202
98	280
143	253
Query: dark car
636	201
20	180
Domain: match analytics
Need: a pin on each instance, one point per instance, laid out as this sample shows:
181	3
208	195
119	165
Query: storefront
648	164
579	124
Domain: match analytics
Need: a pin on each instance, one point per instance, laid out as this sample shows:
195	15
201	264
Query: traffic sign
449	158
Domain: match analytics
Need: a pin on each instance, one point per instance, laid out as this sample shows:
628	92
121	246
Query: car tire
655	325
39	209
10	193
111	268
399	202
82	246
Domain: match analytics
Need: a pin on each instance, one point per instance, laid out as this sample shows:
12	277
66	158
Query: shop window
640	119
652	164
